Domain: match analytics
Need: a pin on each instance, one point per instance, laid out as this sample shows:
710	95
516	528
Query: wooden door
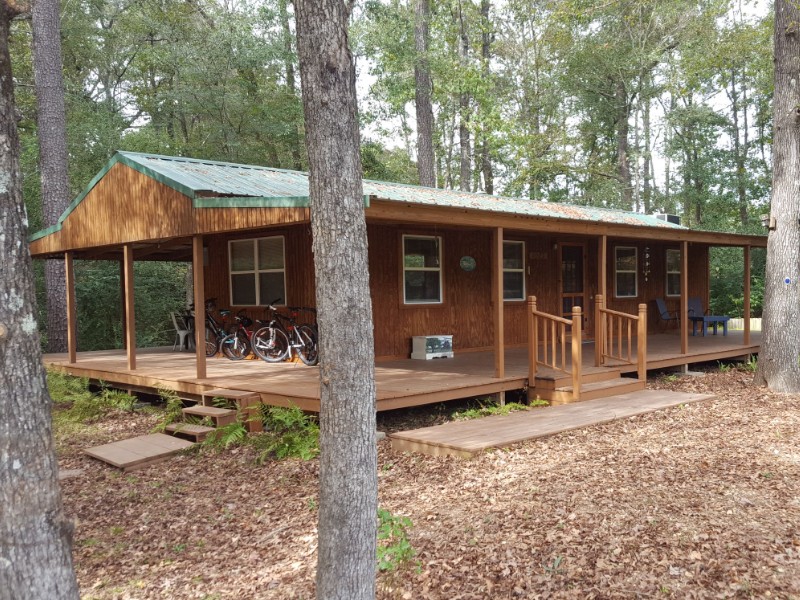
572	283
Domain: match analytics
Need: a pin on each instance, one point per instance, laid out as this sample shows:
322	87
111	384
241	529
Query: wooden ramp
139	452
468	438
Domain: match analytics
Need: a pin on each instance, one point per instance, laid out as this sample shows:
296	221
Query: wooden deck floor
468	438
400	383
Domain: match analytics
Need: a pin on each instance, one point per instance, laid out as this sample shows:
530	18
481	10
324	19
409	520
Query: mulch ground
698	501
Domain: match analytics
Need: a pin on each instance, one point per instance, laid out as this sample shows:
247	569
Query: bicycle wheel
211	342
308	351
270	344
235	346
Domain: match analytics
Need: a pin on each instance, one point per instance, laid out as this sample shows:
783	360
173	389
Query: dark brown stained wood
130	310
498	303
746	307
468	438
72	312
421	215
198	280
685	293
299	263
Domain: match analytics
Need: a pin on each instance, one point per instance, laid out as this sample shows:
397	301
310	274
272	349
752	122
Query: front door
573	282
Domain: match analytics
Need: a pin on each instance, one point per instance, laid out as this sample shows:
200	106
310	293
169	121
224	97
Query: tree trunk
348	463
623	166
35	535
464	108
422	78
778	365
286	32
739	153
648	160
486	54
52	135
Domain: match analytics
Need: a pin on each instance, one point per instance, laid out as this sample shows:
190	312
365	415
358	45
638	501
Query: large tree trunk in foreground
348	463
422	78
779	359
52	134
35	558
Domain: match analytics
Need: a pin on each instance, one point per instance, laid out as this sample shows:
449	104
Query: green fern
289	433
173	409
232	434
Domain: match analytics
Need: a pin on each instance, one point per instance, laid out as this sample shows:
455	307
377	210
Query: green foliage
394	549
160	288
750	365
227	436
289	433
173	408
86	407
487	408
727	285
66	389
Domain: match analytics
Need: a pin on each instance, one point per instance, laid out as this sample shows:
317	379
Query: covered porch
400	383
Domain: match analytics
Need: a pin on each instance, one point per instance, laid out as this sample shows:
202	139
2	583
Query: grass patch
487	407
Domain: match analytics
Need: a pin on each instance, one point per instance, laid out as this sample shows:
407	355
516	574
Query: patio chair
182	332
696	307
666	316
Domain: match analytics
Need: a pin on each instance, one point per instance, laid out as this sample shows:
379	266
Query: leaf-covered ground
700	501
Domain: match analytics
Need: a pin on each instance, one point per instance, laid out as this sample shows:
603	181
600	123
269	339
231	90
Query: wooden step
249	403
220	416
190	431
558	380
592	391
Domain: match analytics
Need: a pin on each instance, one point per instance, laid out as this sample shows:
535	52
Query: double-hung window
673	272
625	272
257	271
422	269
513	270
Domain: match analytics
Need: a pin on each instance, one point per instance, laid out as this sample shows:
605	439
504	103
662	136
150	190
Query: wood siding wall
466	312
128	207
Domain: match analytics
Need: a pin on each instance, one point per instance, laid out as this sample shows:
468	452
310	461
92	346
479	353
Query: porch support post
641	343
198	277
746	295
601	299
684	298
497	299
602	262
130	312
123	310
72	312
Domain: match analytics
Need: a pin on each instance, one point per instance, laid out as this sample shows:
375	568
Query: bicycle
237	344
215	331
277	341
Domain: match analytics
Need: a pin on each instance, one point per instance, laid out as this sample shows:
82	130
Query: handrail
553	333
607	322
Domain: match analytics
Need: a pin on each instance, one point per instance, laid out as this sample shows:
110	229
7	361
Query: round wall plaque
467	263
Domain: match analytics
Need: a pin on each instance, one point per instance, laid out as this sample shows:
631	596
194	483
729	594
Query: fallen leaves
698	501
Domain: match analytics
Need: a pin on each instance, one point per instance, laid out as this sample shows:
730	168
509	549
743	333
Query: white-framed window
422	269
626	263
257	271
513	270
673	272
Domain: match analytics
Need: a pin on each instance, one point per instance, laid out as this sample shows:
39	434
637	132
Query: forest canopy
645	105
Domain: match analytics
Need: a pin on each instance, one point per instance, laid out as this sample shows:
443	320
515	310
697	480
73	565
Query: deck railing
613	338
547	344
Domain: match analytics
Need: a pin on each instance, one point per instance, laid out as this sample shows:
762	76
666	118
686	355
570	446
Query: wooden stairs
219	407
556	387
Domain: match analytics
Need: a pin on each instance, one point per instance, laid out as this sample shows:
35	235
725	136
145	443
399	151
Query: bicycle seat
224	312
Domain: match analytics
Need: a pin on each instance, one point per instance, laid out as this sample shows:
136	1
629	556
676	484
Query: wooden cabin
441	262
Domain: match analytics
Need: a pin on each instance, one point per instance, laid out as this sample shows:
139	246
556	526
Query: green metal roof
248	183
212	184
